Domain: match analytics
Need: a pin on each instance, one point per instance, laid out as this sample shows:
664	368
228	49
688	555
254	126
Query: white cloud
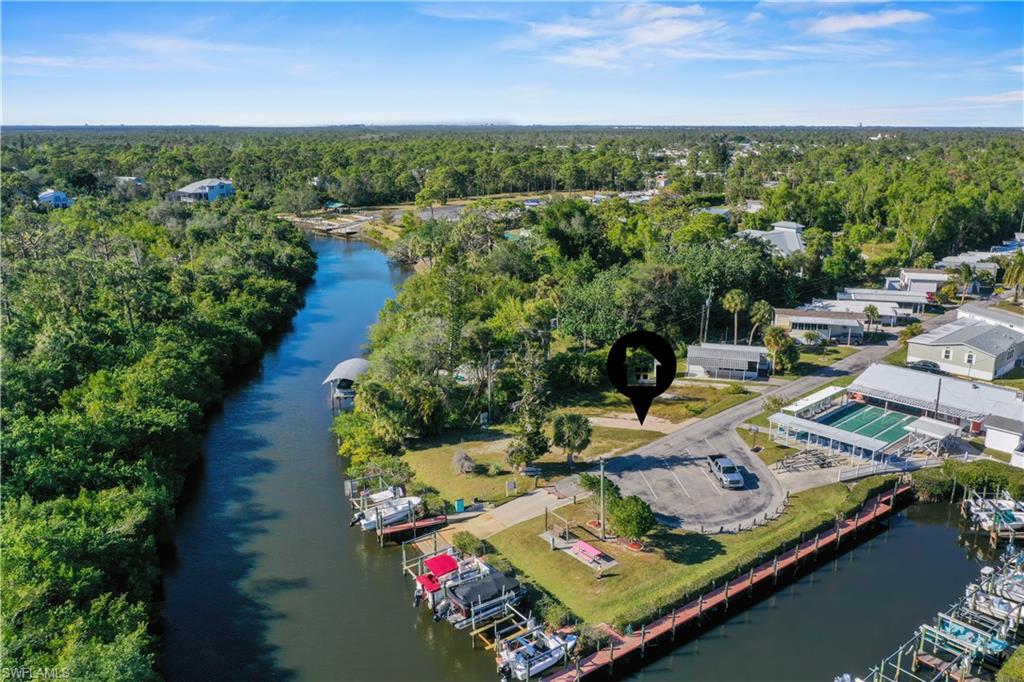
841	23
1015	68
561	30
649	11
1013	96
754	16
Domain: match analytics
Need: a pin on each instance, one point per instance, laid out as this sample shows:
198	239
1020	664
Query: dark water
845	617
268	581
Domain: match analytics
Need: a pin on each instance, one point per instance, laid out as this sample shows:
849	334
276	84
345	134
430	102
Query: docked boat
388	512
993	605
531	654
478	600
443	570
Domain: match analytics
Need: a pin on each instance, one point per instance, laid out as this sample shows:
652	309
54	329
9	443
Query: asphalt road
672	474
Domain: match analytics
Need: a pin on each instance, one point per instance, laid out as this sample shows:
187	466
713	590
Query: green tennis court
870	420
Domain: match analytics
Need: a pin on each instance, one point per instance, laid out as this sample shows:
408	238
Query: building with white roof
971	348
785	237
209	189
992	315
889	314
979	260
909	301
838	326
968	404
927	280
728	361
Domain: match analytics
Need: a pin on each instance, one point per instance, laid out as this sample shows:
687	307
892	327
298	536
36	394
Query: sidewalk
521	509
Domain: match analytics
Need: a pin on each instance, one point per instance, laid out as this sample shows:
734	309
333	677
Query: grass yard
432	461
1013	379
770	452
897	357
812	360
675	564
675	405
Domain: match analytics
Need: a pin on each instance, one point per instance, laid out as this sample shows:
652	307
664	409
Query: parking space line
713	483
649	486
671	471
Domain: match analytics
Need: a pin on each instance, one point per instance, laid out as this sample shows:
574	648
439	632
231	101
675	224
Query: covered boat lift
341	379
931	435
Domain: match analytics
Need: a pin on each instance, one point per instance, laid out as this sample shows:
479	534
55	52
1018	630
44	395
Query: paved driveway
671	473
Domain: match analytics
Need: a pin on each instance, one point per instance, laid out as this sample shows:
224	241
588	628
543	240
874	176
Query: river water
267	581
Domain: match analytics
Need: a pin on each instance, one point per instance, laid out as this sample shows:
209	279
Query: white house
970	348
54	198
927	280
992	315
909	301
889	314
785	237
209	189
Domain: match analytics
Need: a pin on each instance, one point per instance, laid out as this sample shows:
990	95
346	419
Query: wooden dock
690	614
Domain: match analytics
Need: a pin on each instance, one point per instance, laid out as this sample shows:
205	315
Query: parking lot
683	492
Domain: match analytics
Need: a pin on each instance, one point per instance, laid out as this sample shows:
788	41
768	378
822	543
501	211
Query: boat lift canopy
348	370
441	565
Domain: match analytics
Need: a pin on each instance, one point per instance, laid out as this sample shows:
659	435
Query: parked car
726	471
926	366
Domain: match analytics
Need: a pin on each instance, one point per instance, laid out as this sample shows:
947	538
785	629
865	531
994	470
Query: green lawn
813	359
770	452
675	564
675	405
431	461
1012	379
897	357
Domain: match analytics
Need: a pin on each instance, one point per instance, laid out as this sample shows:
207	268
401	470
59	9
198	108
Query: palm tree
761	313
572	434
1014	274
964	276
734	301
871	313
774	339
910	331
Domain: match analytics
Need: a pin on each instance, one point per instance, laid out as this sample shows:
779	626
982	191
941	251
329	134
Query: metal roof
956	397
786	242
726	351
931	427
820	316
852	307
996	315
864	294
201	185
813	399
349	369
993	339
818	429
1004	424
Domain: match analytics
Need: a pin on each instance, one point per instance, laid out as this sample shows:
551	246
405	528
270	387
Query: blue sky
771	63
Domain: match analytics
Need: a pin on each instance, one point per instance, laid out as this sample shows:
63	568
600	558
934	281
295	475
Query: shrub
500	563
575	370
735	389
494	469
632	517
592	484
1013	669
555	613
462	463
467	543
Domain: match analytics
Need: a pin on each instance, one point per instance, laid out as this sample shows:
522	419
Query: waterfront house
832	326
207	190
728	361
54	198
971	348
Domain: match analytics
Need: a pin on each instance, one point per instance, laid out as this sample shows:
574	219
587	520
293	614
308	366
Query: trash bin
460	505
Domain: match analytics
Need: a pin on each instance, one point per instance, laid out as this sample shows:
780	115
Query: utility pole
602	498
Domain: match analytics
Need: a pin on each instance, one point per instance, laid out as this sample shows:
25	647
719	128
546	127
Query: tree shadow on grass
686	548
456	437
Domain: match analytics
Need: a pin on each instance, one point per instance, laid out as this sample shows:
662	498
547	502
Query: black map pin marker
641	366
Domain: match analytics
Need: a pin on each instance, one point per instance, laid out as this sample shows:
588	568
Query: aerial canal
268	582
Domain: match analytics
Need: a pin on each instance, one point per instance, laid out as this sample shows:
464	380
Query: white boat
373	499
533	653
993	605
389	512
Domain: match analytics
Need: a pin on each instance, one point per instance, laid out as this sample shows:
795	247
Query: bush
575	370
932	484
467	543
1013	669
735	389
631	517
592	484
462	463
494	469
555	613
